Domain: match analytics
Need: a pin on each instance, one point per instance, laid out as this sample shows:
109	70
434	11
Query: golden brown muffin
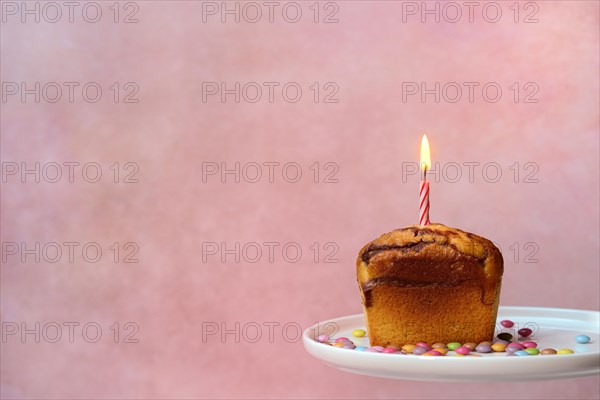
429	284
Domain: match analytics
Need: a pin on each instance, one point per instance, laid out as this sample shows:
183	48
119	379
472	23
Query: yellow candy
565	351
359	333
443	351
338	344
458	355
408	348
498	347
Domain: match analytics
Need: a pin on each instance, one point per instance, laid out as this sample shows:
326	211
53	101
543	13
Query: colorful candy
453	345
470	345
565	351
483	348
507	323
418	350
525	332
499	347
532	351
548	351
359	333
323	338
408	348
501	344
583	339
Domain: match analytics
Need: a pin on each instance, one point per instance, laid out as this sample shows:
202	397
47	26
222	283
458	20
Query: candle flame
425	156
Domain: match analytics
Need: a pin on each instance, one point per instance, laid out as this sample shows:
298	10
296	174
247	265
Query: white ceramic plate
553	327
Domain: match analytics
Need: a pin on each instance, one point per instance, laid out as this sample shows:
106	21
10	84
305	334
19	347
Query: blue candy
521	353
582	339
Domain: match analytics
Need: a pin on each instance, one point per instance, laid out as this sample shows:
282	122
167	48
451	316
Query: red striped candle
424	187
424	203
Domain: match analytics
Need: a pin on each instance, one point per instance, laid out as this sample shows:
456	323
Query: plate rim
579	364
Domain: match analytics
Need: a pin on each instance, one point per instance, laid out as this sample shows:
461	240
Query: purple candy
322	338
511	349
420	350
483	348
377	348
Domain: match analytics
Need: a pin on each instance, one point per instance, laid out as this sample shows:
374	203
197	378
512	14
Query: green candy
453	346
532	351
505	336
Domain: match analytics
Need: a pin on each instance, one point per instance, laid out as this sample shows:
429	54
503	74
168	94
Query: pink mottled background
369	134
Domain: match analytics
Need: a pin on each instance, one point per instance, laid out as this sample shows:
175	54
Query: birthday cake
429	284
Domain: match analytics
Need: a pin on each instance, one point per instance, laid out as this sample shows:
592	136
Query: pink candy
462	350
322	338
389	350
520	346
507	323
423	344
342	339
529	345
